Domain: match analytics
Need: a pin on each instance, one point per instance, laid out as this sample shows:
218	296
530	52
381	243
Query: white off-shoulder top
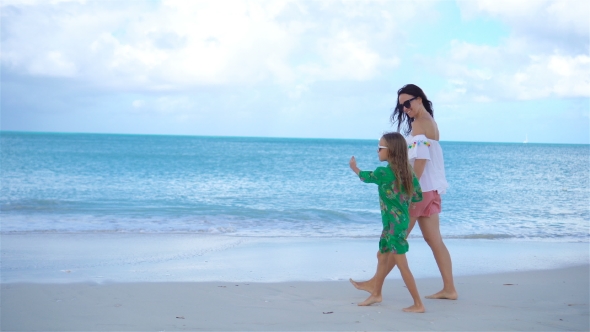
433	178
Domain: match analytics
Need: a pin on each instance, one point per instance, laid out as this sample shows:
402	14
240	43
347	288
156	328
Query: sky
495	70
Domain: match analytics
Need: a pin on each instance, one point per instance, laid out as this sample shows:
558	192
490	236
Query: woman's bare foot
415	308
371	299
362	285
444	295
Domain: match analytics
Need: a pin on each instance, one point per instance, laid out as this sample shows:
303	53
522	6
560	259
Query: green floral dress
394	208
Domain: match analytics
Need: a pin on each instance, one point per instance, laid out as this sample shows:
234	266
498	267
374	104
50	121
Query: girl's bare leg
379	279
404	269
369	285
431	231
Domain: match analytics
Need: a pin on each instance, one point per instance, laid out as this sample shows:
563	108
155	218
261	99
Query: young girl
398	187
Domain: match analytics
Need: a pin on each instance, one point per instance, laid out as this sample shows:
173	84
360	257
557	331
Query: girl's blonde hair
398	161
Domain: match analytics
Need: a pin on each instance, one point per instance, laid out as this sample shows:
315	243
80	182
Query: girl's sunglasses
406	104
381	147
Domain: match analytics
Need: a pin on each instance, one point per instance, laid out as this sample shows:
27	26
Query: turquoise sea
277	187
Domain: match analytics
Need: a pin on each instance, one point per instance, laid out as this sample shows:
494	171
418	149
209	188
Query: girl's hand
352	164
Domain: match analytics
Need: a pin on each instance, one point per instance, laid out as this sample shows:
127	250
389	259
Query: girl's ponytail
399	163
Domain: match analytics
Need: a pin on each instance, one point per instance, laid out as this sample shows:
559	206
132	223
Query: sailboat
526	139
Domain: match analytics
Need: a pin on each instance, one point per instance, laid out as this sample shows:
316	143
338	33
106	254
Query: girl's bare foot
371	299
444	295
415	308
362	285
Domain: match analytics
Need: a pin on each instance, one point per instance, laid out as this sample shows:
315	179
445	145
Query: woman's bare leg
430	227
404	269
379	279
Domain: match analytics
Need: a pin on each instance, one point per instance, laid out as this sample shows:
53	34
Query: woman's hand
353	167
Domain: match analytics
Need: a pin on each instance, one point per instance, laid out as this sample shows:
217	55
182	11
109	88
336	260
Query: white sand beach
164	282
546	300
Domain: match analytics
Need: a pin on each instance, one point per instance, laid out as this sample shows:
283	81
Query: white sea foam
66	258
55	183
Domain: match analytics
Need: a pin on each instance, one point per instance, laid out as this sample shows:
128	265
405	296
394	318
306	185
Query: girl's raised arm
353	167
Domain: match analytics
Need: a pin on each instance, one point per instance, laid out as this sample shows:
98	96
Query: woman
425	153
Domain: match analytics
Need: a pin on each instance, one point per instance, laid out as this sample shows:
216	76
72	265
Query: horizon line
242	136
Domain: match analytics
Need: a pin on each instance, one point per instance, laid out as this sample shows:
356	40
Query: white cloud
561	16
500	73
52	63
298	91
138	103
36	2
176	44
546	54
345	57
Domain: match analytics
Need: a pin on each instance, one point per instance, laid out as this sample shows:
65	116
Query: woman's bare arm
419	165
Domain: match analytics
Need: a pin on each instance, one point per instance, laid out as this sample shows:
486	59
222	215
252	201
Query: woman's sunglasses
381	147
406	104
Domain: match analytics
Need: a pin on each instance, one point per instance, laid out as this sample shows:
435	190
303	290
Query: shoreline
552	299
108	258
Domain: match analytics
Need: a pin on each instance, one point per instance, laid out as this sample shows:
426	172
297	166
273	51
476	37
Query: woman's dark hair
398	114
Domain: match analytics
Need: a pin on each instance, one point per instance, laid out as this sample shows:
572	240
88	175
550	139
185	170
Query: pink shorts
430	204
